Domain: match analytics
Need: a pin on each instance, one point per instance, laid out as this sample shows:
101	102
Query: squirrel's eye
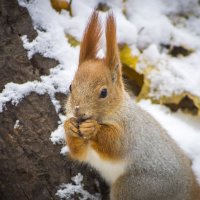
70	87
103	93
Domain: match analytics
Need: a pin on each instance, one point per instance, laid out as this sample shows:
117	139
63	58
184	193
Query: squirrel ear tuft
90	44
112	52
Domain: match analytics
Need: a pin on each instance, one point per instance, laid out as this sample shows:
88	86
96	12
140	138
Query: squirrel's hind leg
130	187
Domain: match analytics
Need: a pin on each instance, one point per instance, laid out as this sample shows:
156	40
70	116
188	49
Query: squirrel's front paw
89	128
72	128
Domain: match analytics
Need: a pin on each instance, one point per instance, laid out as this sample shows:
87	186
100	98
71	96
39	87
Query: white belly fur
110	171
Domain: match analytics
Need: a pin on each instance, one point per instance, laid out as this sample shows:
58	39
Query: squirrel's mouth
83	118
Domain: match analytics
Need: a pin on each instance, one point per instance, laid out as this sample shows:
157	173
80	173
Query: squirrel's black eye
103	93
70	87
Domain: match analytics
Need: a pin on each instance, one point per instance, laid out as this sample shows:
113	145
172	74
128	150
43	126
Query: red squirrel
105	129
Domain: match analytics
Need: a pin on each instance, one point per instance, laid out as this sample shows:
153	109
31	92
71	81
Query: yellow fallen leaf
58	5
72	40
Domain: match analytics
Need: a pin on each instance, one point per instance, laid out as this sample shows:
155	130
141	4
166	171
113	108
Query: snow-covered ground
148	25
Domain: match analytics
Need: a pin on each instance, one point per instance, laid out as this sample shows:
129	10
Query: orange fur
104	139
112	59
108	142
96	75
112	53
91	39
77	145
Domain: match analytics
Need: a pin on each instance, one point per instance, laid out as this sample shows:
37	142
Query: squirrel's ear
90	44
112	52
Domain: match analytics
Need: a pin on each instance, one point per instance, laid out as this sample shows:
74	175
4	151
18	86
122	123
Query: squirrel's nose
78	112
77	108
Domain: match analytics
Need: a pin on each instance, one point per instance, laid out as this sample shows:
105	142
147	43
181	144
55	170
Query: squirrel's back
151	152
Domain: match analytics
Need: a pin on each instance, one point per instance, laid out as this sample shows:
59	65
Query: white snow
67	191
171	75
64	150
17	125
155	22
148	24
176	23
58	136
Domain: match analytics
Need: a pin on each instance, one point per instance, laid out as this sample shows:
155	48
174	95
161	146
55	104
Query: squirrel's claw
71	127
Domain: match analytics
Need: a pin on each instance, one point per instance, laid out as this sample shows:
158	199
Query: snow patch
17	125
64	150
67	191
58	136
171	75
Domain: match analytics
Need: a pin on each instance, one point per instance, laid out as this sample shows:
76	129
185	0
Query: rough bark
31	167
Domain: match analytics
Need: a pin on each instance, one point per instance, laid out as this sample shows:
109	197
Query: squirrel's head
97	88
